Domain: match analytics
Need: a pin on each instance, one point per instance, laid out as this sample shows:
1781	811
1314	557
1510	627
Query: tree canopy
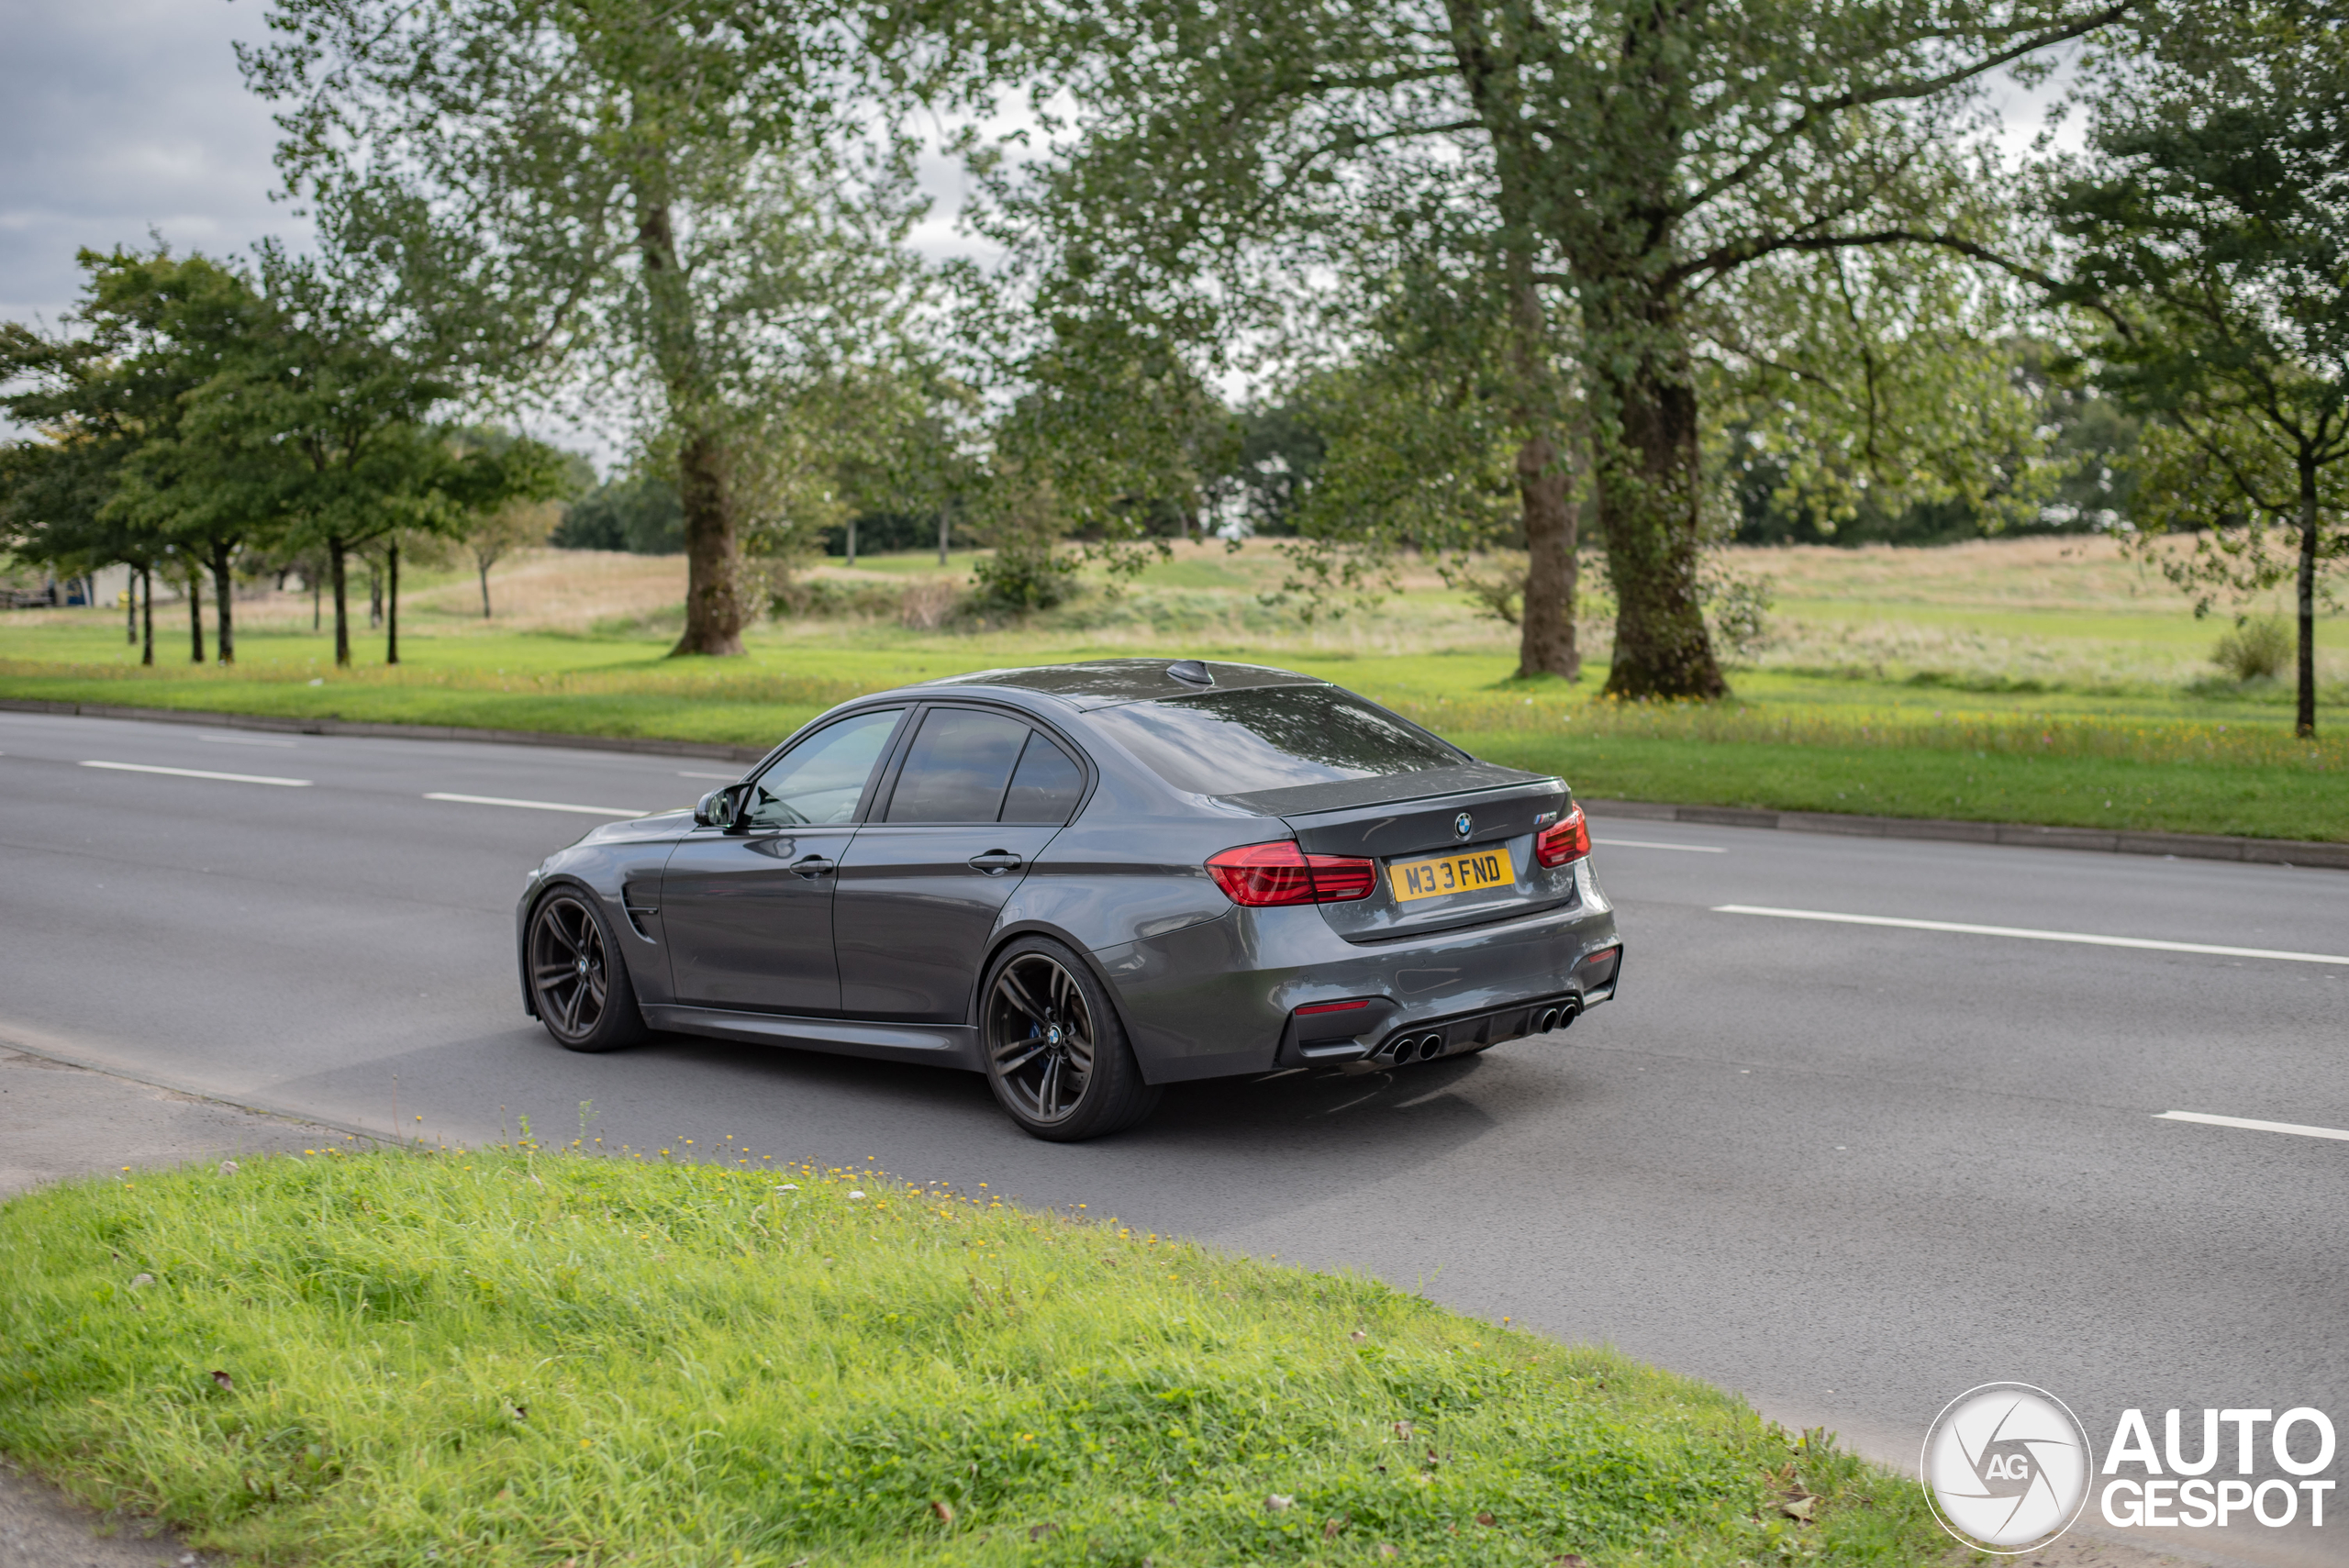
692	210
1641	188
2213	245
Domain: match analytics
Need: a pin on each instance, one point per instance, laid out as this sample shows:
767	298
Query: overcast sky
119	117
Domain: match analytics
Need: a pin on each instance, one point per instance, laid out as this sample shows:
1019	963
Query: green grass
2055	712
510	1356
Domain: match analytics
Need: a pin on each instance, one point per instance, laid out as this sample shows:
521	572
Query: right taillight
1564	840
1261	876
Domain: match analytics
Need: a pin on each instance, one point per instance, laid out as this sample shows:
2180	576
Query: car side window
1045	786
821	779
958	767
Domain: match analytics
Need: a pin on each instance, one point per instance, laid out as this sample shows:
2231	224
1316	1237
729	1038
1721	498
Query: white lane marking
1652	844
539	805
200	773
2026	934
2291	1126
243	740
728	777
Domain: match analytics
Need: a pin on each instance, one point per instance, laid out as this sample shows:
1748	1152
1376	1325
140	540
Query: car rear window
1271	738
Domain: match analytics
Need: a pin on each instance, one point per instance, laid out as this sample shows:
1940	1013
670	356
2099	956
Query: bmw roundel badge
1464	824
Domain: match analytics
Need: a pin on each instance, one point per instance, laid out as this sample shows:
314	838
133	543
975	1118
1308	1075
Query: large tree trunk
224	593
391	602
2305	725
713	553
1647	473
195	611
336	571
704	485
1546	630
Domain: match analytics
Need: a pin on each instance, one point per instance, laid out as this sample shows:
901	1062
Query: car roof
1105	683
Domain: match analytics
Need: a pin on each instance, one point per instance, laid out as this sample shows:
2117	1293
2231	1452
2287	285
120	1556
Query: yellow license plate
1451	874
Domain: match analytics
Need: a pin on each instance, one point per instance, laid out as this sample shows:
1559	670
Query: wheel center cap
583	966
1052	1034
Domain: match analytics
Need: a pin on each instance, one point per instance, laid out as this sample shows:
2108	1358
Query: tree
314	426
2211	236
699	202
111	401
1453	425
1628	162
503	490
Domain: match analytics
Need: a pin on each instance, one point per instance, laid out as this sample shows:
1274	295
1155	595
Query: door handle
812	866
995	862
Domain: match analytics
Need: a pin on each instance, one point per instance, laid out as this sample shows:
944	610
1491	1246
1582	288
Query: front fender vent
642	910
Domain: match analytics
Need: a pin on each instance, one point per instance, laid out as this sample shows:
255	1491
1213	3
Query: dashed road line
539	804
2291	1126
2026	934
1652	844
200	773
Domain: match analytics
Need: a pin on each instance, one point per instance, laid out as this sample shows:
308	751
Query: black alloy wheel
580	984
1056	1055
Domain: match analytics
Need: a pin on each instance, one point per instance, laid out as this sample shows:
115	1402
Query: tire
579	982
1056	1055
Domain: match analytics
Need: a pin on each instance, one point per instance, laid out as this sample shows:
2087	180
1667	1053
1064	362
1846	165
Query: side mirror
717	808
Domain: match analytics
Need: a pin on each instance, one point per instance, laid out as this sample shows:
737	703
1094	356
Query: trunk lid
1420	829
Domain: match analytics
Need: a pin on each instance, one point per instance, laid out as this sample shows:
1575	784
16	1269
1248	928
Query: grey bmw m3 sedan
1088	881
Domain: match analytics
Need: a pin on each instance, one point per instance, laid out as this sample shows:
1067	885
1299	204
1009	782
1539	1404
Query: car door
977	795
748	908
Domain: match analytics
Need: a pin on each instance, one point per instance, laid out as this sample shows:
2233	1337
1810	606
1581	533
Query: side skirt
930	1045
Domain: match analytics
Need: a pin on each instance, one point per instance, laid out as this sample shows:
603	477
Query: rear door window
958	767
1273	737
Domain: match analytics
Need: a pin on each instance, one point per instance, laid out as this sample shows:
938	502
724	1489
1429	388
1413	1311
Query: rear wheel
578	980
1056	1056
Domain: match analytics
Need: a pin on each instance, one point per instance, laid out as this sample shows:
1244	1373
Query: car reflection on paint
1088	881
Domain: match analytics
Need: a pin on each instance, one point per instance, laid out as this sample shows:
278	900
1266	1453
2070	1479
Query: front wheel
1056	1056
580	983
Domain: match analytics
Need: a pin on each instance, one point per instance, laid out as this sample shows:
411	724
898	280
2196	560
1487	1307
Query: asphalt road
1848	1170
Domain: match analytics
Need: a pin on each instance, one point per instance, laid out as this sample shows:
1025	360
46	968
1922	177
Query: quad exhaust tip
1427	1047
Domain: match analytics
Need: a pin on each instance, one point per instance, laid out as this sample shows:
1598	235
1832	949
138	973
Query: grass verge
2139	762
512	1356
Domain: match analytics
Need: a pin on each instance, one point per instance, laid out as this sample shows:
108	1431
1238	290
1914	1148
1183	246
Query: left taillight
1265	875
1563	841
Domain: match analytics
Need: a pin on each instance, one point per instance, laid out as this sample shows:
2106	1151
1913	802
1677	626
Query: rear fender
1011	934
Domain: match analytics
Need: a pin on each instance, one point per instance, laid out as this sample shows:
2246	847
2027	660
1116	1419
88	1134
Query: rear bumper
1219	998
1399	1044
